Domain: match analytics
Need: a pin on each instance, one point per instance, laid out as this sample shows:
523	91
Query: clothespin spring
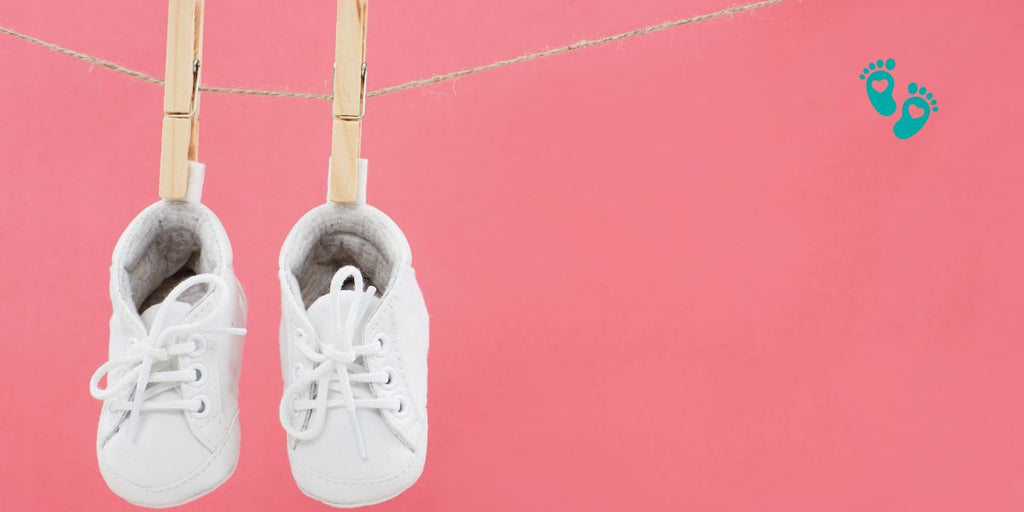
362	98
194	110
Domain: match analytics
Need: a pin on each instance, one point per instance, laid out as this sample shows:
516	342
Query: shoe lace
332	371
139	383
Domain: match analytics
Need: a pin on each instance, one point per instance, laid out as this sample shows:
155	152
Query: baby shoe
354	338
168	431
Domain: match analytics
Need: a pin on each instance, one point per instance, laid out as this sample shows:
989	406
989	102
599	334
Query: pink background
690	271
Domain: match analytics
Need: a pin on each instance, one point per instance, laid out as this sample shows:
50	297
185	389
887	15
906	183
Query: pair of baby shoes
353	339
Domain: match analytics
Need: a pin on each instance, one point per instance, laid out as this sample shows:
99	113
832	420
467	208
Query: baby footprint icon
916	111
880	84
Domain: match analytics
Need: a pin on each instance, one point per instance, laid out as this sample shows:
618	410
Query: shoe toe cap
330	469
347	492
165	468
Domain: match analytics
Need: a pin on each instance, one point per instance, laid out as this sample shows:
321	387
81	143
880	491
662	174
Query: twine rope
579	45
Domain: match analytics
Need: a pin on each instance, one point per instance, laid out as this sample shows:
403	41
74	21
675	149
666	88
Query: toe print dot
891	63
872	65
912	88
933	101
924	90
929	95
880	62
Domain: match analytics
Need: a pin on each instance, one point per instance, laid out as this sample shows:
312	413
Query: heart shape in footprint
915	112
880	85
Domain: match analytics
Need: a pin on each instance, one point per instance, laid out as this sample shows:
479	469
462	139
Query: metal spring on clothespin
347	180
179	150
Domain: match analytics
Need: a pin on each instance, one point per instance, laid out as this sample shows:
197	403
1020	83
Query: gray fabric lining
334	236
169	244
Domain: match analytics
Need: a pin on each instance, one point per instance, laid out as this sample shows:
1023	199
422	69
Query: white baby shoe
168	431
354	337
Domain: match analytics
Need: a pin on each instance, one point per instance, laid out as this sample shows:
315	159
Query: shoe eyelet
292	406
299	336
403	408
200	374
385	345
204	407
392	378
133	345
200	345
299	370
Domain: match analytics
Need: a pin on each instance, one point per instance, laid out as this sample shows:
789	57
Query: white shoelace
331	372
154	348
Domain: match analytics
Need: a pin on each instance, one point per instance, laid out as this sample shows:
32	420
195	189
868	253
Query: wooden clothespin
180	143
345	183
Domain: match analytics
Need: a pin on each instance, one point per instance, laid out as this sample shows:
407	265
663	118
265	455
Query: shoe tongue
327	319
176	312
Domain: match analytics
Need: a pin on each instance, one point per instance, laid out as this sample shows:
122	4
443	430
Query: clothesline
579	45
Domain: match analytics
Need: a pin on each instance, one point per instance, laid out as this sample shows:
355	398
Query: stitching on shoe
359	483
195	474
196	425
400	432
405	431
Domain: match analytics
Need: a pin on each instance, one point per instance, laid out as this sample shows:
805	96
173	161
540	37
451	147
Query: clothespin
180	175
346	183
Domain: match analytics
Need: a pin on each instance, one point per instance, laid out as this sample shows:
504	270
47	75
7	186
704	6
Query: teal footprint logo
880	85
916	111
